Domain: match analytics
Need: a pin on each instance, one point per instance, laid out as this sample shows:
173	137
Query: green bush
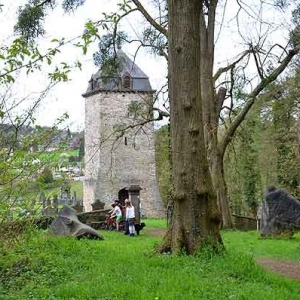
46	176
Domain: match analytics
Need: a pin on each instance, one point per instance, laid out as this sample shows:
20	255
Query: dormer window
127	82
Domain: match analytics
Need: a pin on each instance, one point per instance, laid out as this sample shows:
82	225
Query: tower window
125	141
127	82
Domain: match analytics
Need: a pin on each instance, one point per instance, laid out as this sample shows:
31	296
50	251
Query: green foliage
71	5
15	57
41	266
60	74
19	166
284	124
90	35
295	36
265	150
31	16
22	54
242	169
156	40
46	176
106	58
249	151
30	20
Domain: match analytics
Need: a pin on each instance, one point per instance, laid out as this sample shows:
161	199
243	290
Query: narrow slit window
125	141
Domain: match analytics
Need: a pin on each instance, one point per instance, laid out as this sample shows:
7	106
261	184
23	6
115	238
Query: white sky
66	97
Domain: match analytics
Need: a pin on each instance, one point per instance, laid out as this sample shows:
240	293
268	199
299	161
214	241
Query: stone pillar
97	205
78	207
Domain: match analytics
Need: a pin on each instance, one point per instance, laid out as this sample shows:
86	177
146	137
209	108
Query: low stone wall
245	223
93	217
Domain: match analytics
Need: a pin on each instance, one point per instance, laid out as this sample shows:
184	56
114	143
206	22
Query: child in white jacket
130	215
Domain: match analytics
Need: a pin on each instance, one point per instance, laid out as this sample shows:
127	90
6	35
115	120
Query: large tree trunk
298	134
218	178
195	217
211	110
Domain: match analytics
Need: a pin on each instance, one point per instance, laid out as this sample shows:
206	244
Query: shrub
46	176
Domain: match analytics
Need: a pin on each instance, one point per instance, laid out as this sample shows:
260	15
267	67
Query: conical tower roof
137	80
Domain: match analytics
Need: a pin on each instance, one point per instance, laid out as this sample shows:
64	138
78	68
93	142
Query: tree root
166	245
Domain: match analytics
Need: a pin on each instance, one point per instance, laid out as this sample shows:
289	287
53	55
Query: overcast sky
66	97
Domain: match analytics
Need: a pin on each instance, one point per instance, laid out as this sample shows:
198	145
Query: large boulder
67	224
280	214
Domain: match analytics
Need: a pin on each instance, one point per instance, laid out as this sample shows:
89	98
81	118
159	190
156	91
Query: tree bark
219	182
211	110
298	135
195	217
211	107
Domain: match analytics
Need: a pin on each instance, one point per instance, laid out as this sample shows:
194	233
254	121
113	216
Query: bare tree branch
222	22
142	44
258	66
232	81
43	3
115	30
231	66
270	54
149	18
161	114
220	97
252	97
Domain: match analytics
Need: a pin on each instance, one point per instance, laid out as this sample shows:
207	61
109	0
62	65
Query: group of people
127	212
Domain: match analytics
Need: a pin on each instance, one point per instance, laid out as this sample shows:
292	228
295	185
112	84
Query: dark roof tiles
140	81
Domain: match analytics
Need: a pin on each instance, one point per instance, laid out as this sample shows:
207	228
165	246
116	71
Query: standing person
118	214
130	215
126	221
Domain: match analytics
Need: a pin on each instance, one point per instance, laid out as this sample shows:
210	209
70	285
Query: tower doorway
122	195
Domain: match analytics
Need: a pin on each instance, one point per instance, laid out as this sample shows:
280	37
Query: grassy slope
121	267
76	186
55	156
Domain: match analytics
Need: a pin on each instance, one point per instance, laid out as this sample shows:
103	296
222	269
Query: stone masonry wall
112	163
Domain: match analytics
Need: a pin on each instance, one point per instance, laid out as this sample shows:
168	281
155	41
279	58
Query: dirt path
290	269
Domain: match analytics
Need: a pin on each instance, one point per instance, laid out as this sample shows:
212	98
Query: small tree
46	176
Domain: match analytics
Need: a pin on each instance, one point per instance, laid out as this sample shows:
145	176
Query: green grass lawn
251	243
56	156
76	186
41	266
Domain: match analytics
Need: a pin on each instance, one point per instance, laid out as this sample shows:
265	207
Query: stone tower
117	161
